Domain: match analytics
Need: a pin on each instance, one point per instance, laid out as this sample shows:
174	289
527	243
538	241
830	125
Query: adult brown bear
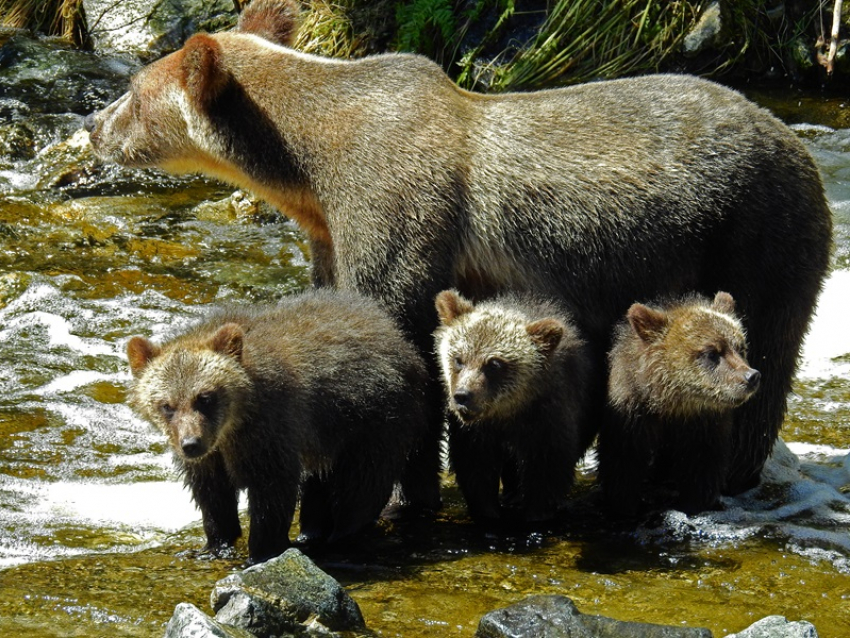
600	194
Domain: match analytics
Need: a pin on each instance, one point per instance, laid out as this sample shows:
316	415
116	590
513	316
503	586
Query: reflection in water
96	526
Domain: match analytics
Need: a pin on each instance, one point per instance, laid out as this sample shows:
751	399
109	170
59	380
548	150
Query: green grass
62	18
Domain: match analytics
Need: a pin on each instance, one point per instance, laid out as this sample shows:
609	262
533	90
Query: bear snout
89	122
192	447
752	379
463	403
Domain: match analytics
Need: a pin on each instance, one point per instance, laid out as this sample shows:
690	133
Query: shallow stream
96	532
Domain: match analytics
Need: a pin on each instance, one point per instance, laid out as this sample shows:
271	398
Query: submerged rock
49	77
558	617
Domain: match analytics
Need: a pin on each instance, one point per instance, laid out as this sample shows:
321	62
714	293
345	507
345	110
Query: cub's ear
546	334
451	305
203	76
272	20
647	323
140	351
228	340
723	302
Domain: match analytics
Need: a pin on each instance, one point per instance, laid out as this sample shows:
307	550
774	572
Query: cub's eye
167	411
206	403
457	362
711	356
495	367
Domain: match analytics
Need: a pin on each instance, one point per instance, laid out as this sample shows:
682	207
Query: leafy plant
426	26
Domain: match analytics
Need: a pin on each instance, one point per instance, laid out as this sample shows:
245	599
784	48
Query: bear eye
457	363
167	411
206	403
711	356
495	367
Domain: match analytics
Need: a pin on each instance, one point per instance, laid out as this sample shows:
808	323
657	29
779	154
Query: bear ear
647	323
723	302
203	77
229	340
272	20
451	305
546	334
140	351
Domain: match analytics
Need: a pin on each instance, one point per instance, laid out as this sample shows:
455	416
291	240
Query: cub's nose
88	122
753	378
192	447
462	398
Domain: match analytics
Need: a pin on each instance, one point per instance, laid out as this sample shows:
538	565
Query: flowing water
97	533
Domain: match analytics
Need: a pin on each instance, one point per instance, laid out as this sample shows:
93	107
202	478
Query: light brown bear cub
516	374
320	395
677	371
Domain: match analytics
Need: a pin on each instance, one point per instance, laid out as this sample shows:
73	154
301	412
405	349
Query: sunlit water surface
97	531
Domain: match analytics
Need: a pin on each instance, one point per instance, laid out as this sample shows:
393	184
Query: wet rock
705	34
50	77
189	621
558	617
778	627
150	28
17	142
287	594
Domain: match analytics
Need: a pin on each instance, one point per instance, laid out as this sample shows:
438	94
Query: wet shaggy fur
595	195
677	372
320	395
516	375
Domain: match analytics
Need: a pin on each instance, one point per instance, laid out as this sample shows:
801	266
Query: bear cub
677	372
319	396
515	371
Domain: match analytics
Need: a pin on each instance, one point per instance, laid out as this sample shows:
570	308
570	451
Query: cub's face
691	358
192	393
711	349
490	365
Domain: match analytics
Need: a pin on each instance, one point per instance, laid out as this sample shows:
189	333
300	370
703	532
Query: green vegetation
63	18
494	45
586	39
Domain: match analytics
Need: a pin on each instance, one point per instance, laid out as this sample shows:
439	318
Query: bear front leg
271	507
217	498
703	461
477	464
625	454
546	475
420	482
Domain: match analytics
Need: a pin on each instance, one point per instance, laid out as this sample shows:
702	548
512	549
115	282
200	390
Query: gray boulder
190	622
287	594
778	627
706	34
558	617
152	28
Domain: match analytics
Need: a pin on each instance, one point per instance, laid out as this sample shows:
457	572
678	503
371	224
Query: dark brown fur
677	372
321	394
595	195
